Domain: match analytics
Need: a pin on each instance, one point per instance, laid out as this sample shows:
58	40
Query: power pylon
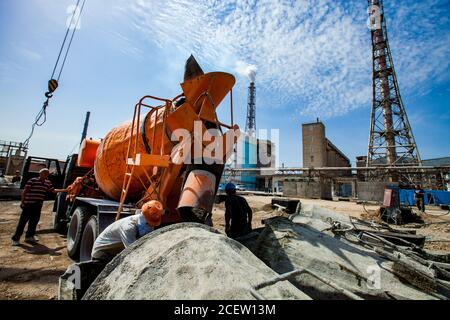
391	141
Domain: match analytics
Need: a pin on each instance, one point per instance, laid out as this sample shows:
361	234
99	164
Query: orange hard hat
152	212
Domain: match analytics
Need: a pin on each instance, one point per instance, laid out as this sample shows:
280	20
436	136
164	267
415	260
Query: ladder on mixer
131	159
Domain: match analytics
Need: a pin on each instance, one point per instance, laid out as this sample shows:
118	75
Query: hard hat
44	170
152	212
230	187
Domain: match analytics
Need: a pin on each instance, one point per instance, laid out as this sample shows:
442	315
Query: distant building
319	152
361	162
266	159
250	153
437	162
12	157
266	154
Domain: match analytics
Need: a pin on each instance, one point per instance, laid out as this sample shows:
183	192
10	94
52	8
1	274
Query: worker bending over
238	214
124	232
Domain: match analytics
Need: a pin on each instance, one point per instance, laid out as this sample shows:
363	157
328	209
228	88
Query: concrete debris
188	261
336	247
286	246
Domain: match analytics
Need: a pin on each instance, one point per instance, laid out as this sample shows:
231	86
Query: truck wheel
75	231
90	233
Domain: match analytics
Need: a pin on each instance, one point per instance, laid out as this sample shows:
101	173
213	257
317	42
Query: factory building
251	153
319	152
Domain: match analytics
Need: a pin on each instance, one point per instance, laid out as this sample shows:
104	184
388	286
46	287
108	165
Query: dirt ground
32	271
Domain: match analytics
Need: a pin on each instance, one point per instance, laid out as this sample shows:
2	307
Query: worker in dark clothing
238	214
33	197
17	177
419	197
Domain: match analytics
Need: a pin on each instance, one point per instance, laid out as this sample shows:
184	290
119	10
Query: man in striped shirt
33	197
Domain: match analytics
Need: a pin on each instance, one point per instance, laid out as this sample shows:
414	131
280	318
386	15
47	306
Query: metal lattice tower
391	141
250	125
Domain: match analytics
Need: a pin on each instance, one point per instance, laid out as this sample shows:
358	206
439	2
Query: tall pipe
379	41
86	125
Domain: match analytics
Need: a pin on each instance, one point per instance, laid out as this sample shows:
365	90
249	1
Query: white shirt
121	234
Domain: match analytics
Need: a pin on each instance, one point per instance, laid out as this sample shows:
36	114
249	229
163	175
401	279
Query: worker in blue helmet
238	214
230	187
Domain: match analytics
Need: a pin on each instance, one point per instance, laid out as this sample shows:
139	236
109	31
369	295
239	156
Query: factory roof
437	162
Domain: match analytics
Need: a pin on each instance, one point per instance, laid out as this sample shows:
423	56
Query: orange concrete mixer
140	160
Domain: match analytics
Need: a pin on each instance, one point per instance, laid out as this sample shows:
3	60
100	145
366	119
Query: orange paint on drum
110	165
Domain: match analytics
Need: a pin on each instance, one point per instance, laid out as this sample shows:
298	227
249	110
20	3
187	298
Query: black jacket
239	212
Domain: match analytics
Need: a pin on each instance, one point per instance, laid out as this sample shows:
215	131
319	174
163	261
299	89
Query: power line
65	38
71	38
41	117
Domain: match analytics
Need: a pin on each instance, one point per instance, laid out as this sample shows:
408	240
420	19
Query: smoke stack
251	73
250	126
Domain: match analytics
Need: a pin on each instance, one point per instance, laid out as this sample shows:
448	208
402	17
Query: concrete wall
371	191
365	191
305	189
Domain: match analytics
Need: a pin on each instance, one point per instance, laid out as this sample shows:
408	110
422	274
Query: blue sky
313	59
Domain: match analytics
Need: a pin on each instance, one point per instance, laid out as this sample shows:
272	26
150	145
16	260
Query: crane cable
41	117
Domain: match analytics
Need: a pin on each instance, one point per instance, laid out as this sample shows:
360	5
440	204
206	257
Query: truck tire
75	231
90	233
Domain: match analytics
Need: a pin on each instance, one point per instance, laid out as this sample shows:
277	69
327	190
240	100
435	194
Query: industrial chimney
250	126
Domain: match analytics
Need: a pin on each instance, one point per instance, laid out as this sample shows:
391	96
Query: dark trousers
238	230
31	213
420	204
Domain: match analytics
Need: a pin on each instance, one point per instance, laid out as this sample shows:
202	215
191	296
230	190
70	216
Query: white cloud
314	54
25	52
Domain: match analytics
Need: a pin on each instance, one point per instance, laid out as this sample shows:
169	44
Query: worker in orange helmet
122	233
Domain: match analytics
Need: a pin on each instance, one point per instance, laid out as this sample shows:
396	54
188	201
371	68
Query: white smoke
247	70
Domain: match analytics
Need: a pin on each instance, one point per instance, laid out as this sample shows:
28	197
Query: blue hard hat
230	187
